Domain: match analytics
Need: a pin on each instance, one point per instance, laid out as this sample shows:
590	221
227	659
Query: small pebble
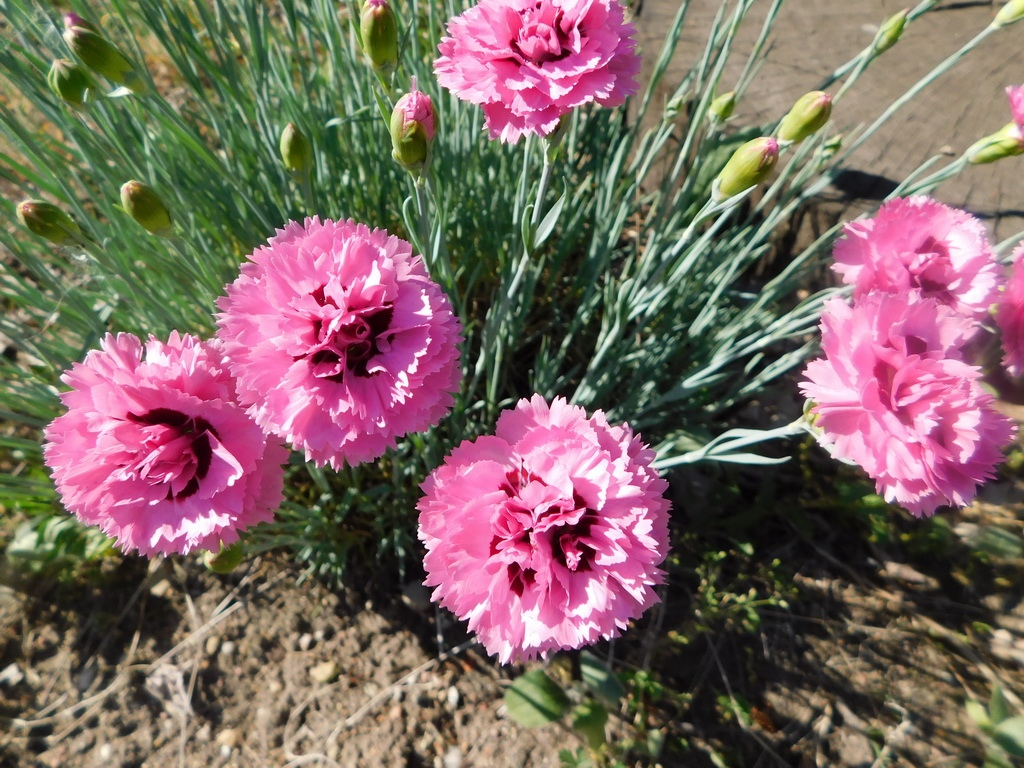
204	734
161	589
225	751
327	672
212	645
453	758
11	676
230	738
106	752
305	642
227	649
452	697
264	717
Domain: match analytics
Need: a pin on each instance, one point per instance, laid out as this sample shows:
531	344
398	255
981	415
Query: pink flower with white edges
529	62
893	395
340	341
547	535
155	451
919	244
1010	315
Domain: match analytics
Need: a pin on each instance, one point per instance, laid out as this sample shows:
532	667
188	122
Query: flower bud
721	108
810	112
749	165
142	203
72	19
1006	142
102	56
296	151
412	131
70	83
48	221
1009	13
890	32
378	27
226	560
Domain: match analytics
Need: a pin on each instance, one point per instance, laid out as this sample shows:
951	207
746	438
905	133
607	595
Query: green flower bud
70	83
142	203
48	221
1009	13
810	112
721	108
412	131
103	57
890	32
225	561
749	165
832	146
378	27
1005	142
296	151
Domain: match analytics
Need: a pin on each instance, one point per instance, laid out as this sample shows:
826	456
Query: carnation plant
481	283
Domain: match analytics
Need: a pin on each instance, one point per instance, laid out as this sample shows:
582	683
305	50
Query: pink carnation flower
1010	315
892	395
529	62
154	450
919	244
339	340
548	534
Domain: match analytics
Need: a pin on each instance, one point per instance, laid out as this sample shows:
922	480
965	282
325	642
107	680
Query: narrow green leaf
547	224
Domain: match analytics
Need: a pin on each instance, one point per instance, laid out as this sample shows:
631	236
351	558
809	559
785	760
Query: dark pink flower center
544	35
175	450
931	270
537	522
346	340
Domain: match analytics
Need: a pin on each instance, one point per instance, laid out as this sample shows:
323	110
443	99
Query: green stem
948	63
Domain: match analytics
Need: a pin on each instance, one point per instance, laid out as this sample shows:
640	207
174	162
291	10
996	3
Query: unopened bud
810	112
48	221
103	57
378	27
70	83
226	560
832	146
72	19
1006	142
1009	13
890	32
296	151
412	131
721	108
749	165
142	203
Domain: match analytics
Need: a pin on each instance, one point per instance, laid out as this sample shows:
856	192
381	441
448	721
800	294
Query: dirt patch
189	668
